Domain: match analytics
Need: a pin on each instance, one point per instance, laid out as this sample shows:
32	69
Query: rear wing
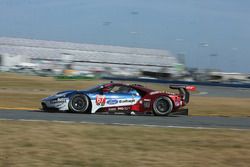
184	91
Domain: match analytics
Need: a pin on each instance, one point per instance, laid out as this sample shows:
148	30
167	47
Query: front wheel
79	103
162	106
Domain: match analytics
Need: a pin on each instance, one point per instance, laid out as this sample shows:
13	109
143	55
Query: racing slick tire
79	103
162	106
44	107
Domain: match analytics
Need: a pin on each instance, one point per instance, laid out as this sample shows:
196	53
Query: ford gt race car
121	98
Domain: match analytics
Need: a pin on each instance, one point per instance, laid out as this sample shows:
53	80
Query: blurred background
47	46
64	60
164	39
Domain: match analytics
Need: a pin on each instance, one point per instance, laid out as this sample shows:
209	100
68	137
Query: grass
55	144
219	106
27	91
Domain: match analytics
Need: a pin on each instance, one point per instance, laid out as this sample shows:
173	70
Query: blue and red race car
121	98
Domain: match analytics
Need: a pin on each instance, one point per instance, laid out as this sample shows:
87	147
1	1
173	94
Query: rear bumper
183	111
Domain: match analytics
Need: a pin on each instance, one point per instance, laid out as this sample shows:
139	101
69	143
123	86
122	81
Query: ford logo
112	101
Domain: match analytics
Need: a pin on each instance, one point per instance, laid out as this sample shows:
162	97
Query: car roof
134	86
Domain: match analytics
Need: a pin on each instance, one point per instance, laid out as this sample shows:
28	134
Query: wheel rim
162	106
79	104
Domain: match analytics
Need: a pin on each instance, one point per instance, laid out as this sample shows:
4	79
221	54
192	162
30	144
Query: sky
207	33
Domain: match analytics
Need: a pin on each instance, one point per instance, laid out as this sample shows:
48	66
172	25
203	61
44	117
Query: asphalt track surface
151	121
215	91
180	121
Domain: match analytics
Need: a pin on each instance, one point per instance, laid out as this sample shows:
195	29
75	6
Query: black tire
79	103
44	107
162	106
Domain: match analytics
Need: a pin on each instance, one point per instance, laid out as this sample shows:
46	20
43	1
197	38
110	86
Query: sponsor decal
127	101
112	101
123	108
155	92
100	100
146	104
177	104
159	92
126	108
112	109
147	99
58	100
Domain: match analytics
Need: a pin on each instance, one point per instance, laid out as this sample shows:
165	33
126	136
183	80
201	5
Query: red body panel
148	96
151	95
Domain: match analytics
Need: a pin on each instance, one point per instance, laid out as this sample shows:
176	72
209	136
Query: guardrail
235	85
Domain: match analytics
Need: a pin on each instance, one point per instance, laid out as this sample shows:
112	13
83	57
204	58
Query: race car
121	98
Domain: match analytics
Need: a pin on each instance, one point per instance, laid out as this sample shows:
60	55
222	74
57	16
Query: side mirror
135	94
105	90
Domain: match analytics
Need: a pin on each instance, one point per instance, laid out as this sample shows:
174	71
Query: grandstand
87	57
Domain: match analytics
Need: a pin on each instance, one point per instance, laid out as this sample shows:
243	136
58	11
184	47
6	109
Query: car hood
66	94
61	94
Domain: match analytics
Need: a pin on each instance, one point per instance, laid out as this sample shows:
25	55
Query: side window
134	92
115	89
120	89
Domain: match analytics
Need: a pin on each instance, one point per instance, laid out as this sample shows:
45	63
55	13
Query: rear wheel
79	103
162	106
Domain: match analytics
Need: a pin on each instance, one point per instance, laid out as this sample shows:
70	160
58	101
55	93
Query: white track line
201	94
124	124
